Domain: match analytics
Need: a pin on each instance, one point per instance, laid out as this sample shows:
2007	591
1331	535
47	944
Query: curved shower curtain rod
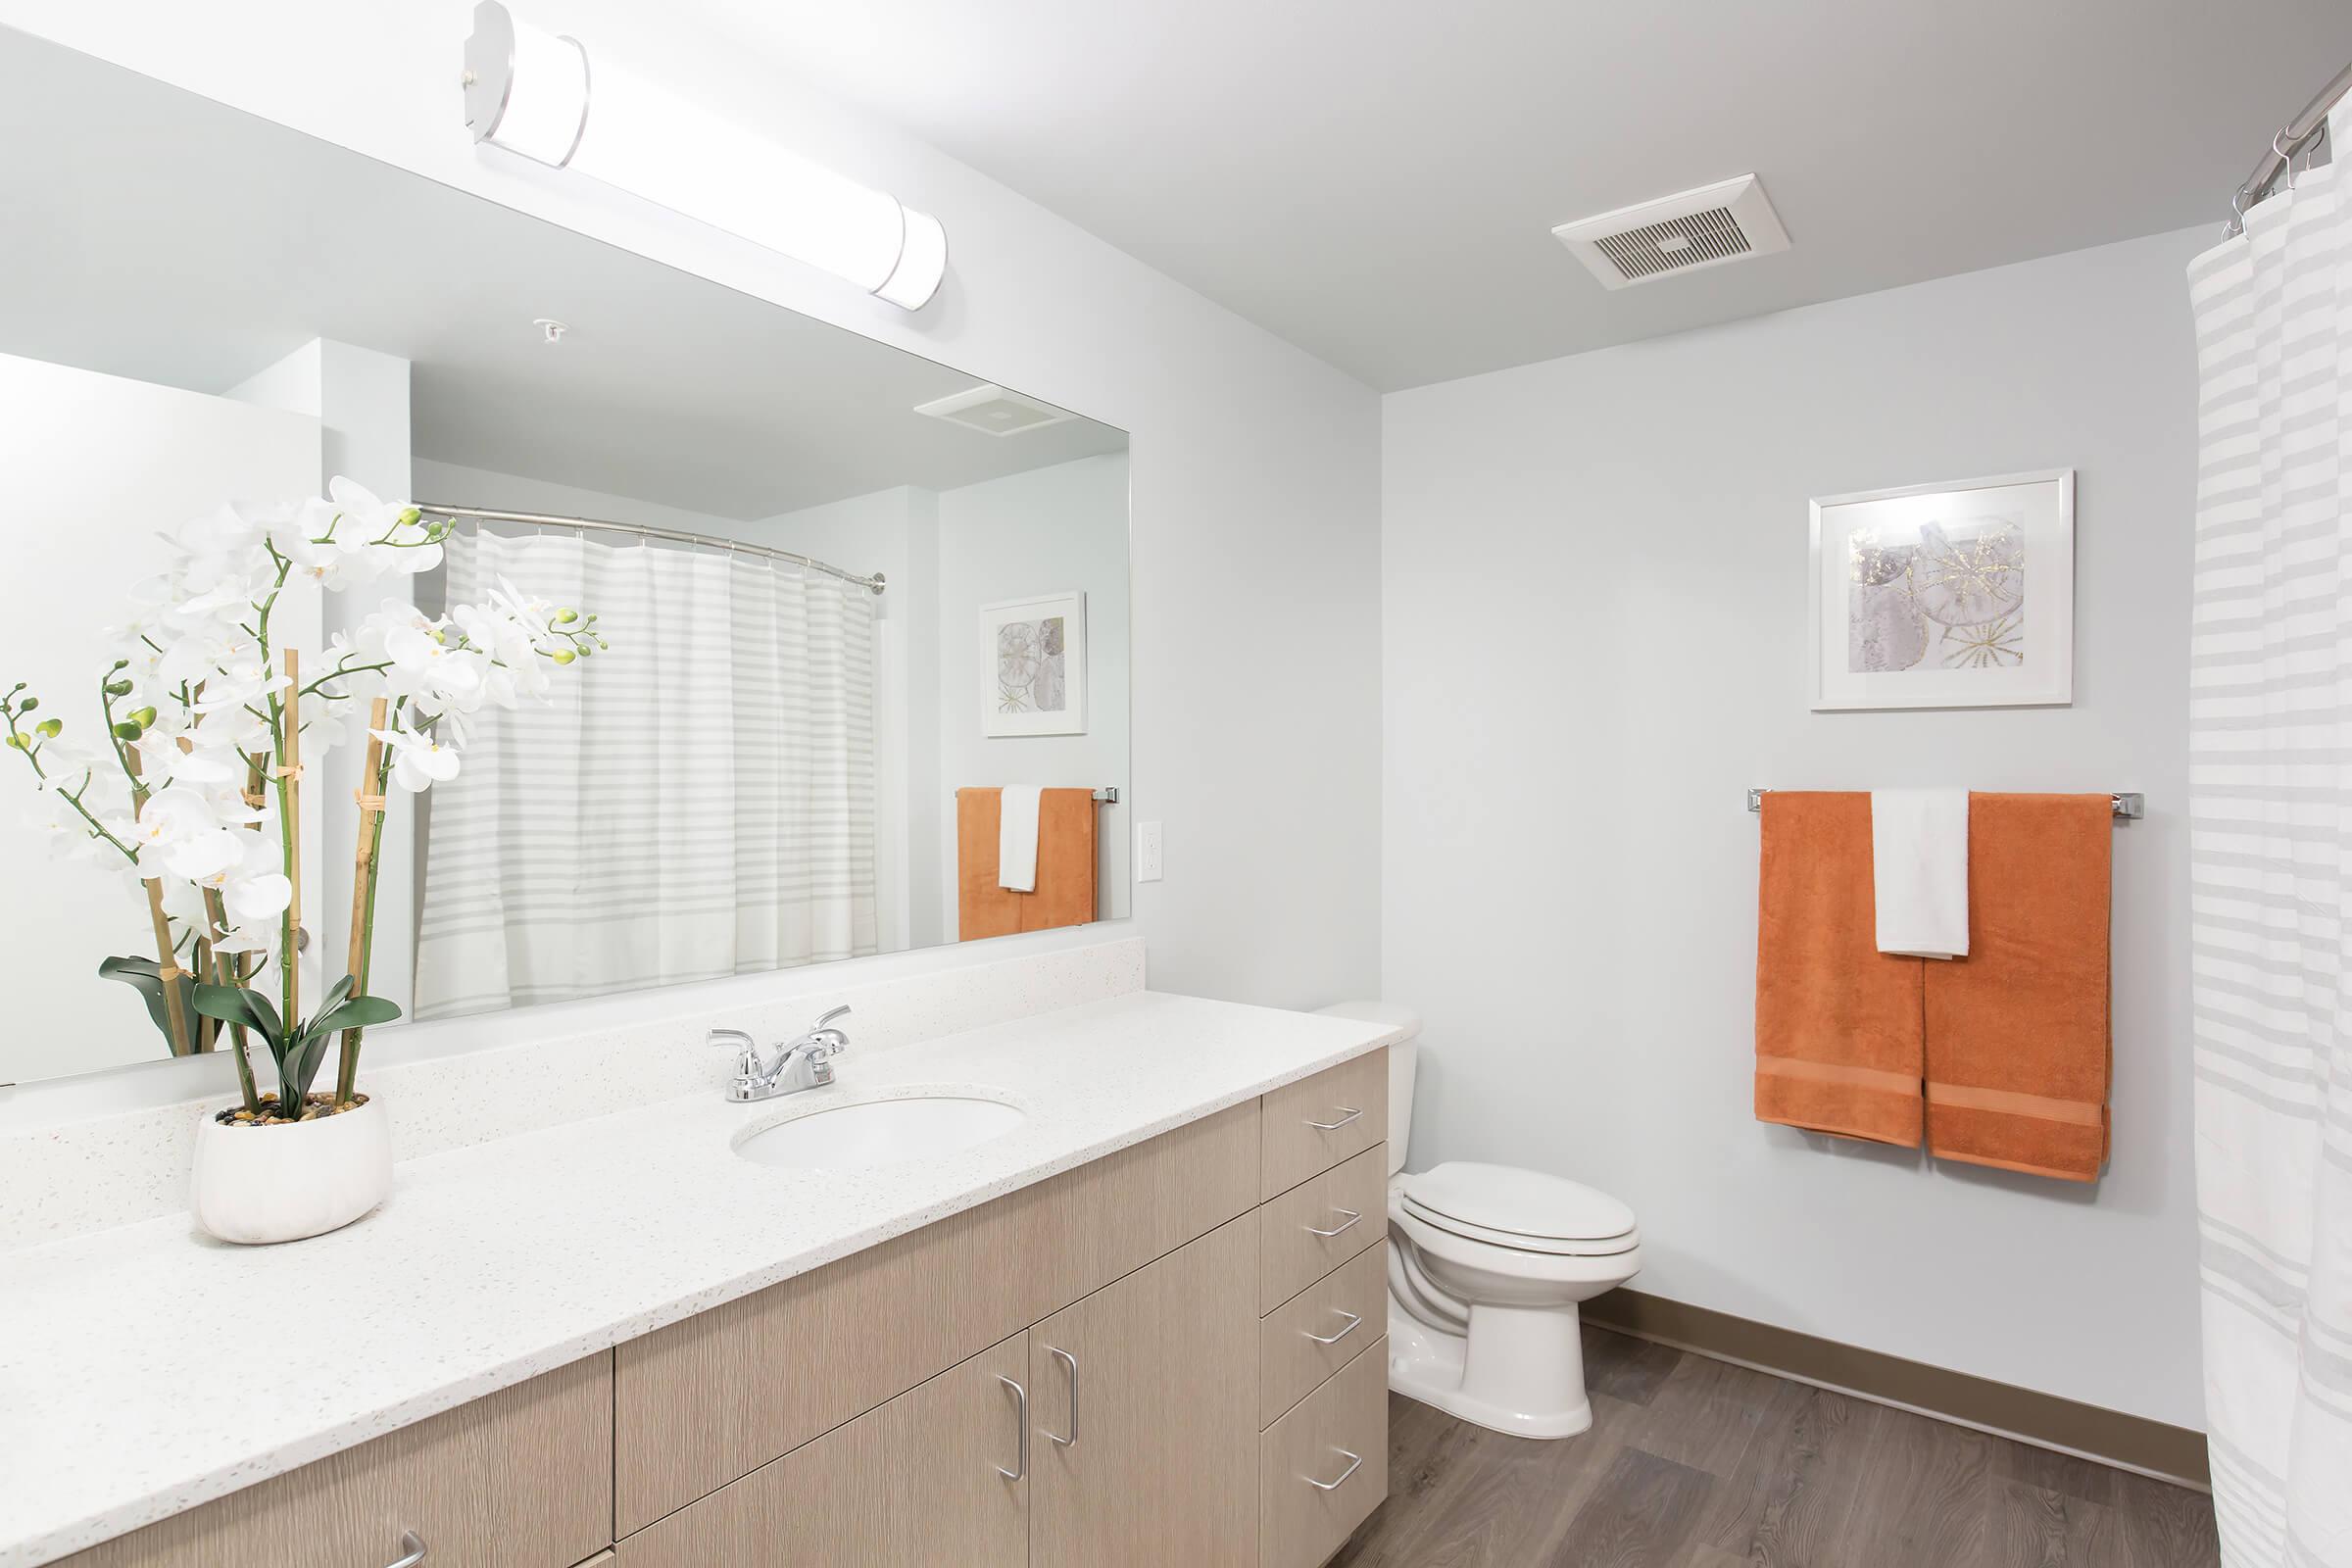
2293	138
680	536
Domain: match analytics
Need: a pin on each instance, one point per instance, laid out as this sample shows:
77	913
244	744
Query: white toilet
1487	1264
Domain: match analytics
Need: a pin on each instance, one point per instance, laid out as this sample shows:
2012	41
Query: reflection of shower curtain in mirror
697	802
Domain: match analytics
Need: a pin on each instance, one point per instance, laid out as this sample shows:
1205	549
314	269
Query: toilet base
1528	1378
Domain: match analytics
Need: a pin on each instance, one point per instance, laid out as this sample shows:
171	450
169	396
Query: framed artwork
1945	594
1033	666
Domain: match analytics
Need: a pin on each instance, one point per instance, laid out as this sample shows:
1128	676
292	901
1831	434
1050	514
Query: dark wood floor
1695	1463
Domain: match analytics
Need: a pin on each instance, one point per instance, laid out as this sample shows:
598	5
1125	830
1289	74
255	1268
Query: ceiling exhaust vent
993	409
1676	234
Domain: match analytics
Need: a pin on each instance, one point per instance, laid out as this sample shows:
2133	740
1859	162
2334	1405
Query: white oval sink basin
881	1132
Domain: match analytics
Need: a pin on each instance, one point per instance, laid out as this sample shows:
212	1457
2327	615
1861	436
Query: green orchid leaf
146	977
265	1015
358	1014
334	998
228	1004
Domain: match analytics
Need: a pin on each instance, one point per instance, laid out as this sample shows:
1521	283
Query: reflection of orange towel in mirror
1838	1024
1065	865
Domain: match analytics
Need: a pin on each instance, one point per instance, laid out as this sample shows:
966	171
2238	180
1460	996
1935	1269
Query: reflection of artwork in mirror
1033	653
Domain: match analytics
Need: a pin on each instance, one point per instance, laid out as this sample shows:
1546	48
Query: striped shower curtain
697	802
2271	850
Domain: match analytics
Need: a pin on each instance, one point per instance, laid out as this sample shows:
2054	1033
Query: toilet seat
1523	1210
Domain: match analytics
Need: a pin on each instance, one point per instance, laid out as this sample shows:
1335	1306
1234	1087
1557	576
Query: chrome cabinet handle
1355	1113
1346	1224
1070	1361
1334	1338
413	1544
1021	1415
1353	1460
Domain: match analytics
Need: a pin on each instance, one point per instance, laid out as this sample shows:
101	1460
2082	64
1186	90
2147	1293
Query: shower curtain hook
2286	157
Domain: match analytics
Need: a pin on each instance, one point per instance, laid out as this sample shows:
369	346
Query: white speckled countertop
124	1354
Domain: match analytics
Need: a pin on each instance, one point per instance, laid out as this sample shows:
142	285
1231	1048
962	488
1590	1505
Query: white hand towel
1016	837
1919	871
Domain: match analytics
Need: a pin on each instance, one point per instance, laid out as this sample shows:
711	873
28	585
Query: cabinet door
1145	1400
933	1479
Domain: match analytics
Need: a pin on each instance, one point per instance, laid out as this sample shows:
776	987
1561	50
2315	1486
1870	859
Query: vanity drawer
1338	1433
1320	1224
1313	1124
522	1479
1293	1359
705	1402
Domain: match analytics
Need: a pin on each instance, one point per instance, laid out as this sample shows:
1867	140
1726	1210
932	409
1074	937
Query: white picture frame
1958	594
1033	666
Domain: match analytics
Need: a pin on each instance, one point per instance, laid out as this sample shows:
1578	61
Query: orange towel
1837	1022
2018	1040
1065	865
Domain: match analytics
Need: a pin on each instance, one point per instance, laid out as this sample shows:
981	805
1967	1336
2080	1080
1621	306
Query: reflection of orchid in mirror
188	781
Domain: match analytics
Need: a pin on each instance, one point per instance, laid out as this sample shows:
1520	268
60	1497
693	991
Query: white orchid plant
189	782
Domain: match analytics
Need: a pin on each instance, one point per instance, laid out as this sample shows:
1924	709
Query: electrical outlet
1147	856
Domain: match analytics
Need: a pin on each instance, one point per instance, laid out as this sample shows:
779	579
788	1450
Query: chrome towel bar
2129	807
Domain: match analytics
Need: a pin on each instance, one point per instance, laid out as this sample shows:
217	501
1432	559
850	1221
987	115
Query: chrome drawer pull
1334	1338
1022	1415
1347	1223
1353	1460
1072	1362
1355	1113
413	1544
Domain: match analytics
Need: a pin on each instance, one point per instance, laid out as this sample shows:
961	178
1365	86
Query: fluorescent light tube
539	95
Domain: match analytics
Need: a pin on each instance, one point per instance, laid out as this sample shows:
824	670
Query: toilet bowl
1487	1267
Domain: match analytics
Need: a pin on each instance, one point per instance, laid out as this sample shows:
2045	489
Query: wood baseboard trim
2128	1442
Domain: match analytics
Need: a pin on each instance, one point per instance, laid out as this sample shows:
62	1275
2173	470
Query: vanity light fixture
537	94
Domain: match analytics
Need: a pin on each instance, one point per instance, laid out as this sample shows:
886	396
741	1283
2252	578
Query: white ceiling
1376	179
179	242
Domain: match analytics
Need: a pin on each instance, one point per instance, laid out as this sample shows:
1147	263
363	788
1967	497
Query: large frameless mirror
711	639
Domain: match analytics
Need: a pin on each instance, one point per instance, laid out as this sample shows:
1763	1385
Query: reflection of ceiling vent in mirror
996	410
1675	235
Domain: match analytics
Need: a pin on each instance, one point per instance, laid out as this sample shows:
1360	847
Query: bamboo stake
370	800
289	806
167	954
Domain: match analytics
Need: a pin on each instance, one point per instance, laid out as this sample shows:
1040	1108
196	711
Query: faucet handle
825	1039
747	1050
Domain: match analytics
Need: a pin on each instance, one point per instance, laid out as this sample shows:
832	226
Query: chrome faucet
803	1063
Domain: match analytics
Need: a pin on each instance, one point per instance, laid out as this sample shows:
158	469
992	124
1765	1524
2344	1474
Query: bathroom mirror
849	604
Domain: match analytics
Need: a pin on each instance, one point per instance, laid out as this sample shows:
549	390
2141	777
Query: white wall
96	466
1050	531
1595	593
1256	612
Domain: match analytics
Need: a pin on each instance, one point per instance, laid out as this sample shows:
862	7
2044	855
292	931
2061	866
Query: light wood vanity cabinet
1159	1357
704	1402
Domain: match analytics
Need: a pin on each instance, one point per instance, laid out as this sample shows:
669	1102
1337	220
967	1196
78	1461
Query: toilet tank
1401	1061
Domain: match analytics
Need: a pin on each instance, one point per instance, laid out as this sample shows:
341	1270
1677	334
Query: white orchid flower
249	898
430	666
241	938
419	762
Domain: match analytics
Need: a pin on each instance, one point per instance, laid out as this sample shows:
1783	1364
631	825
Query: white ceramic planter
280	1184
